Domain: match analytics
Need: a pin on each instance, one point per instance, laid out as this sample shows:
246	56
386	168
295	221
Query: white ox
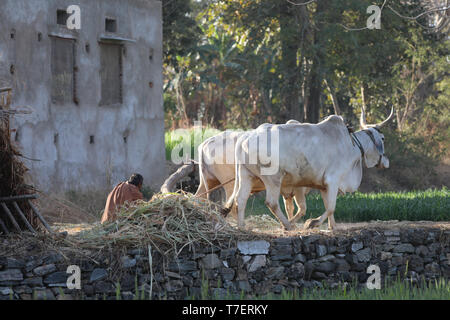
215	169
323	156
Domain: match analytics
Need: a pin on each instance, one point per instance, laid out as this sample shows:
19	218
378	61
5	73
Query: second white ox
323	156
217	167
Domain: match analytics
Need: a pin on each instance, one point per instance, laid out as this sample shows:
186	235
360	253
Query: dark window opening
88	47
110	25
91	139
17	137
63	70
111	73
55	138
39	36
12	69
151	54
13	34
61	17
125	139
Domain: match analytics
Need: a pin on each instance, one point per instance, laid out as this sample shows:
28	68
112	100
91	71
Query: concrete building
95	92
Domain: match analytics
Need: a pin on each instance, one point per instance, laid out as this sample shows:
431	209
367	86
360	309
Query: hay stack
12	170
168	222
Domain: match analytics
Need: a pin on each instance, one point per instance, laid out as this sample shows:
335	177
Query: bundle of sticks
12	169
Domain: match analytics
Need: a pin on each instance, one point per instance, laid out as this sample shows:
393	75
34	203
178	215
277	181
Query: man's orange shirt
124	191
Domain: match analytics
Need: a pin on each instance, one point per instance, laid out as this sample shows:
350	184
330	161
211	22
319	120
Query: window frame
120	46
74	69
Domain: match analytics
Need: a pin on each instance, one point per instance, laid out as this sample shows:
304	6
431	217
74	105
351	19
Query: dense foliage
240	63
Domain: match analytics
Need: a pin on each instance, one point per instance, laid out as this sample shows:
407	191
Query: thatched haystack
171	221
12	169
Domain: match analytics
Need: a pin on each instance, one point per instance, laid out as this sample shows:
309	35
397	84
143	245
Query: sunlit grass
432	205
186	140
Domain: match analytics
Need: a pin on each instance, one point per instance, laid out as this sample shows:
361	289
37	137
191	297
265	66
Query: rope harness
215	188
359	144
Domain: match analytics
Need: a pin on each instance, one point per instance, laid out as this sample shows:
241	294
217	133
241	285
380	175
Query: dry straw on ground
168	222
175	220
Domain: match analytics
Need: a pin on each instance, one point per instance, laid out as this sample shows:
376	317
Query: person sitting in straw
124	191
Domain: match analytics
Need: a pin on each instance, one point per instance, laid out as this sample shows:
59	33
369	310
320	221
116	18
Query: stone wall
254	267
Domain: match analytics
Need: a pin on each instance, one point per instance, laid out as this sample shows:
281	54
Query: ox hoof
311	223
296	218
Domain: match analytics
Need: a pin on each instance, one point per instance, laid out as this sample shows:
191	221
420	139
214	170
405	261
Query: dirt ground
269	227
67	216
274	229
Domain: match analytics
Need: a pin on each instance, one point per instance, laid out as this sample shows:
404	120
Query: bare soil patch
270	228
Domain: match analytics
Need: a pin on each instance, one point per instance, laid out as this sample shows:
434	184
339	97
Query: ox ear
379	146
376	139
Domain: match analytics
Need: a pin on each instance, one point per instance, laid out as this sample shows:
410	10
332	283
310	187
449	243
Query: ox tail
231	201
203	187
229	204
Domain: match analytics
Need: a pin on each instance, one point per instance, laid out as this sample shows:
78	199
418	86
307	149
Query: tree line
240	63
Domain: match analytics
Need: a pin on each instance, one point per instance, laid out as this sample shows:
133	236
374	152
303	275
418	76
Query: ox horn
362	120
379	125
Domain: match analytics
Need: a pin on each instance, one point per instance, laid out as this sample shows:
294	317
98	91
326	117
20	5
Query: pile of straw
263	223
12	169
168	223
175	220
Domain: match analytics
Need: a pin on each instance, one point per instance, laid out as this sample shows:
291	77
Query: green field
398	289
186	139
432	205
